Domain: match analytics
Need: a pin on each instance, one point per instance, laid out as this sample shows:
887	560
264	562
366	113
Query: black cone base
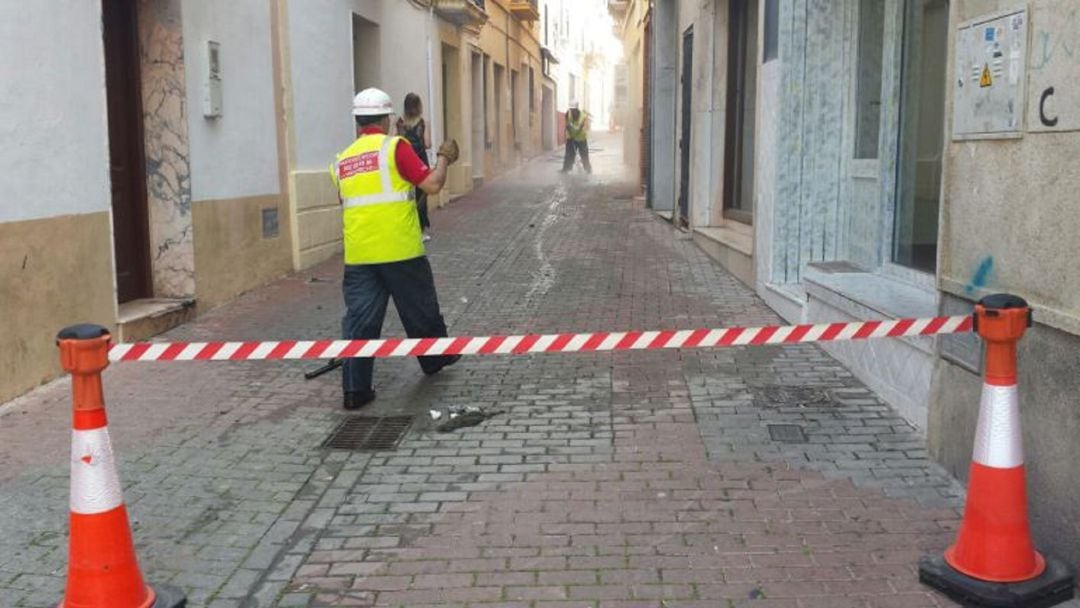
1053	587
168	597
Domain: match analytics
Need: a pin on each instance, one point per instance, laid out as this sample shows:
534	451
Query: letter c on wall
1046	121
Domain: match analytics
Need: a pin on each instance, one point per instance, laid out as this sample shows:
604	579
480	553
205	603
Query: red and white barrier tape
537	343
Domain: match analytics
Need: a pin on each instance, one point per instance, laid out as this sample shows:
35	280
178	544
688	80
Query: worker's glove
449	150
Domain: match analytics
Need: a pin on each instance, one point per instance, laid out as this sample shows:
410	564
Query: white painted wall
234	155
321	53
54	157
565	27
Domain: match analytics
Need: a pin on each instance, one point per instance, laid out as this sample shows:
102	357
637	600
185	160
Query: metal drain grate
791	395
787	433
369	433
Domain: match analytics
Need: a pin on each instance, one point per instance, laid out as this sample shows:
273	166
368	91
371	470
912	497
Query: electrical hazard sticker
986	80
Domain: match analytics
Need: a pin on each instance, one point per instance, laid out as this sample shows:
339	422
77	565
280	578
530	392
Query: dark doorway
741	100
126	160
366	53
684	134
922	132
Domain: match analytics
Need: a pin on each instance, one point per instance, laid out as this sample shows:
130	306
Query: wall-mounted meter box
212	85
989	86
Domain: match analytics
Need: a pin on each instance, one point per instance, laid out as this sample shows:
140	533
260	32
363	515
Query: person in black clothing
412	127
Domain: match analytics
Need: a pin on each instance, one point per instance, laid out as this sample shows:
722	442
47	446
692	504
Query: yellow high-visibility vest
380	220
577	127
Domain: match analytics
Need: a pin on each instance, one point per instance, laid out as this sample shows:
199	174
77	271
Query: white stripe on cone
95	486
998	442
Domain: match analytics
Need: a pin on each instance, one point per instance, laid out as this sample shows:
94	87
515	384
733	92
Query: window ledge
734	235
842	286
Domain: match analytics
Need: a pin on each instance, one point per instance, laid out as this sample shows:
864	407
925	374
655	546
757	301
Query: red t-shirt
409	165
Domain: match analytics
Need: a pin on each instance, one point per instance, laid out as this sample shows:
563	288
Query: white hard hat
573	105
372	102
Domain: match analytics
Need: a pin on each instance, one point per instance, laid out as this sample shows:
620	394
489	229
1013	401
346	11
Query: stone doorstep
147	317
731	234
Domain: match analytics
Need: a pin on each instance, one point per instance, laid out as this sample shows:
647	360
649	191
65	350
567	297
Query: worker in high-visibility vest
384	253
577	138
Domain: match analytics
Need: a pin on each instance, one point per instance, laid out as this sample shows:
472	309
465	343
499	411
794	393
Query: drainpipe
430	74
431	95
508	80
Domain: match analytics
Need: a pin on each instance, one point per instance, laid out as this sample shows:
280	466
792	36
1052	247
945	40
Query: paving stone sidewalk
610	480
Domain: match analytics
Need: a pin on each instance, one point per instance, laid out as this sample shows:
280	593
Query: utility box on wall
991	74
213	83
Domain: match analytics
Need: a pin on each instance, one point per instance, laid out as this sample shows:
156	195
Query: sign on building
990	78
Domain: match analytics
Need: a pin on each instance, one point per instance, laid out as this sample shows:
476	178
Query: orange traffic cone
994	562
103	571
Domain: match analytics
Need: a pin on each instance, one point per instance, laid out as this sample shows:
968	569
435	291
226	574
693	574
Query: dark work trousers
367	289
578	147
421	206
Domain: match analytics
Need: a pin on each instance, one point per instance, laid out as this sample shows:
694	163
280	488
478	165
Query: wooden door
126	160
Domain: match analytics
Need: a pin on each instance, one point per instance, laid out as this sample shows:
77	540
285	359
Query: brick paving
611	480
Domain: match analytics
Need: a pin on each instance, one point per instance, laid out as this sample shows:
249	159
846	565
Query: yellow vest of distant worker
577	127
381	223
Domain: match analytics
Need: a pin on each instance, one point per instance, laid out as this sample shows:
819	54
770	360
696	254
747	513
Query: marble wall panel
168	171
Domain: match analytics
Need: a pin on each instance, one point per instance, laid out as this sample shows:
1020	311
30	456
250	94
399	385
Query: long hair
412	105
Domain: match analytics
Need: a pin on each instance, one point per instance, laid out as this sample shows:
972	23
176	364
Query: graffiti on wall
980	278
1053	70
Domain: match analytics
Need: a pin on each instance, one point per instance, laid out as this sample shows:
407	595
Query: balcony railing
526	10
465	13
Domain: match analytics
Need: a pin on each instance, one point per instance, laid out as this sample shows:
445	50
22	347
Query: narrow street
643	479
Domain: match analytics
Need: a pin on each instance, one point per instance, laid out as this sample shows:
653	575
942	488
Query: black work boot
355	400
446	361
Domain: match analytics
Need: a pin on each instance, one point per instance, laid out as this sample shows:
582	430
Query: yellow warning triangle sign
985	80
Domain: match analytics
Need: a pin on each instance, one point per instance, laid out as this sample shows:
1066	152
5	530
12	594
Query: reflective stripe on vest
380	219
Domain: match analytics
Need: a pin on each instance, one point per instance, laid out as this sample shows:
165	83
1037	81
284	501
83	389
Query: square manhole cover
791	395
787	433
369	433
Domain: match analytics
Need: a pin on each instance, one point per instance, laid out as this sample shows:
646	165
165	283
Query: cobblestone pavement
608	480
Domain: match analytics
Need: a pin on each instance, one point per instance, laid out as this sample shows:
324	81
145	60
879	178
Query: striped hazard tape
537	343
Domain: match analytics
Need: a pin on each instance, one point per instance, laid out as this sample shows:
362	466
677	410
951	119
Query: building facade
476	65
1008	222
860	159
146	177
171	155
575	34
632	92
